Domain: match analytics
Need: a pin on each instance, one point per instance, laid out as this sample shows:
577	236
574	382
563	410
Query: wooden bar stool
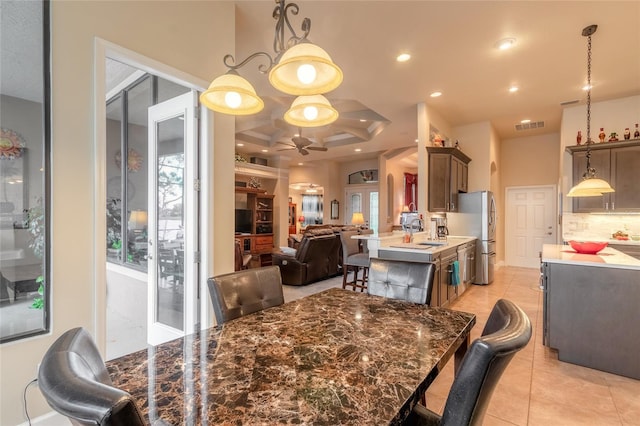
353	260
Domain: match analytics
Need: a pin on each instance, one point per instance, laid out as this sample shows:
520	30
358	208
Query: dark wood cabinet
260	242
447	293
619	164
448	176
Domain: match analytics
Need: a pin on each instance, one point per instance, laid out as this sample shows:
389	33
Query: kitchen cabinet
447	293
619	164
448	176
590	310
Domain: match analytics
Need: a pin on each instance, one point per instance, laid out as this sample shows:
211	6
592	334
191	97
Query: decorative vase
627	133
579	138
636	134
613	137
602	135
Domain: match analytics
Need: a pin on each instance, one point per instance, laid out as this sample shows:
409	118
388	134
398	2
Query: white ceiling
452	48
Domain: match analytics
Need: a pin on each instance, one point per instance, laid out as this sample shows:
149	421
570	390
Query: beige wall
192	39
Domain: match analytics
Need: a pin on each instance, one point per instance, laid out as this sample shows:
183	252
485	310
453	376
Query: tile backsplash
585	226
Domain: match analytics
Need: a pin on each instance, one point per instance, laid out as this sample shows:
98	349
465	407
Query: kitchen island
454	257
591	305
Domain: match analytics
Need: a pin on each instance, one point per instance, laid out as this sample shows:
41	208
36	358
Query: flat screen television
244	221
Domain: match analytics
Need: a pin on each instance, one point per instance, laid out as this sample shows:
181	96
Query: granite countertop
428	246
608	257
336	357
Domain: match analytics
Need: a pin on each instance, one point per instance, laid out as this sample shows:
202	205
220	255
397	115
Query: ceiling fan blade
287	144
303	151
287	149
317	148
301	141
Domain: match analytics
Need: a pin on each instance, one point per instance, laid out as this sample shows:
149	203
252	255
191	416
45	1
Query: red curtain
411	190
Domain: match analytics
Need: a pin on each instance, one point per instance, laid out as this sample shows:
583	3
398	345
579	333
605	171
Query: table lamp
357	219
138	219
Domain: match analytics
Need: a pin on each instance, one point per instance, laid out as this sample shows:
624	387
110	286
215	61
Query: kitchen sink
433	243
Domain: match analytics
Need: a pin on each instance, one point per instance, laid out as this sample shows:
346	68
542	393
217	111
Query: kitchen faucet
420	227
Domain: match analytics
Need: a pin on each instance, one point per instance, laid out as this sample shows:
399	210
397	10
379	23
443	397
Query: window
127	165
24	169
312	210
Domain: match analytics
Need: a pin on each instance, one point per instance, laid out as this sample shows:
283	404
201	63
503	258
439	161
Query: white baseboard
51	418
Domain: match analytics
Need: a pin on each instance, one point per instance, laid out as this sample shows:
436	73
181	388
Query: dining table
334	357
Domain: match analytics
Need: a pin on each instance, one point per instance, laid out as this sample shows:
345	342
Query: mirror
335	209
24	147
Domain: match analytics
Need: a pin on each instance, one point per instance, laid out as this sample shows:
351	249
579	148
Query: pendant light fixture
590	186
299	68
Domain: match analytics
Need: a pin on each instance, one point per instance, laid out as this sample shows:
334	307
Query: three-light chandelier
299	68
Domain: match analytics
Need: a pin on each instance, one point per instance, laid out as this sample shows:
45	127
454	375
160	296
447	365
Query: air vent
530	126
565	103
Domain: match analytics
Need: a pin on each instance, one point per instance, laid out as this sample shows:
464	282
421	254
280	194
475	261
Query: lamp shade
357	218
311	111
138	219
592	187
232	94
305	69
301	219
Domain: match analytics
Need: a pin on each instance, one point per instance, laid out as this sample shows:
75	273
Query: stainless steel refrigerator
476	217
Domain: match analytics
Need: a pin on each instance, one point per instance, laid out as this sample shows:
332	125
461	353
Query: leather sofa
317	257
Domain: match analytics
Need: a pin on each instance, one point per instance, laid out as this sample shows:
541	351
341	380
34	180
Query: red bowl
587	247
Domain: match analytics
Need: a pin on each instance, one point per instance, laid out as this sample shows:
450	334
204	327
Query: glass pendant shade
591	187
311	111
305	69
232	94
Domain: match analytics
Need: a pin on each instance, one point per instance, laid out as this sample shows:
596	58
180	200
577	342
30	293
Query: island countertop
421	244
608	257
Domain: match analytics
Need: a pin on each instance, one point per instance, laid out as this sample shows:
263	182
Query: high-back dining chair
353	260
507	331
75	382
243	292
403	280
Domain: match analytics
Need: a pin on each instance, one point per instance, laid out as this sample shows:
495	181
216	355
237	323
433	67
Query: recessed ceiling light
358	149
300	164
362	120
505	43
513	89
265	150
239	144
525	121
403	57
436	94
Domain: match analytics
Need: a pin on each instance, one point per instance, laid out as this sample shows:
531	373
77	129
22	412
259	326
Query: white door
363	199
530	223
173	221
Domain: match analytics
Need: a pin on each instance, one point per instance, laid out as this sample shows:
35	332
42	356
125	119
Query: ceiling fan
302	144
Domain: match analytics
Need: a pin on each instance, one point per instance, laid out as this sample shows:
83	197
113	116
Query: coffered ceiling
452	44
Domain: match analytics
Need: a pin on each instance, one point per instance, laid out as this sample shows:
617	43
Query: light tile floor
536	388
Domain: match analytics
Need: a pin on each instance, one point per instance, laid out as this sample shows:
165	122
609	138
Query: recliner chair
75	382
507	331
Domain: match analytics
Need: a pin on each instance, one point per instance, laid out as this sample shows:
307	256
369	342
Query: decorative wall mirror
335	209
24	169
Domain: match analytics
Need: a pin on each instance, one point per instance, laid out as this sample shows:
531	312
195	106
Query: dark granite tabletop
336	357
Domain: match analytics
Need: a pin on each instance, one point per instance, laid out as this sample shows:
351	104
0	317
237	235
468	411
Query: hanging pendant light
590	186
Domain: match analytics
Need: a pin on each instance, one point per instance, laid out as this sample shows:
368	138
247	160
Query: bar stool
353	260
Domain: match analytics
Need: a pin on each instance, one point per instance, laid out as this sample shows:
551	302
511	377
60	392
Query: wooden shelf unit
260	242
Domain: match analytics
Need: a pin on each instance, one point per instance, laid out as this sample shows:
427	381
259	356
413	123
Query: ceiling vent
530	126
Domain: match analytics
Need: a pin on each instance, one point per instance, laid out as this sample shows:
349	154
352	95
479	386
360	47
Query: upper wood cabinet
448	176
619	164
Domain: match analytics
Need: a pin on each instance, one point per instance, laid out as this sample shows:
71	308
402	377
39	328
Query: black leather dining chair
75	382
403	280
507	331
243	292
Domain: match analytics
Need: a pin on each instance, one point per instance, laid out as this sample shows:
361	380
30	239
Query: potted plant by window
114	228
35	224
